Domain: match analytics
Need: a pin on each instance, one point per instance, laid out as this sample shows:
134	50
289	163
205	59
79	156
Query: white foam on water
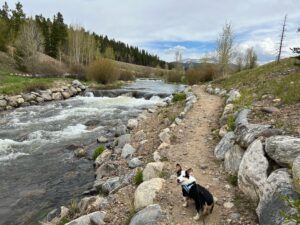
12	156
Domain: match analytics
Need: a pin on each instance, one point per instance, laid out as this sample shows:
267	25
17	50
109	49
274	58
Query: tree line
24	37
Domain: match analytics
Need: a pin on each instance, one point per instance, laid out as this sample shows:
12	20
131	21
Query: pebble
228	205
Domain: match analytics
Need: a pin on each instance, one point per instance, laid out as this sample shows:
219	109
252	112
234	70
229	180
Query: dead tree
281	38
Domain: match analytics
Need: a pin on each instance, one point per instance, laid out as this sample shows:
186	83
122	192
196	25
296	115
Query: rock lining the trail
34	98
259	146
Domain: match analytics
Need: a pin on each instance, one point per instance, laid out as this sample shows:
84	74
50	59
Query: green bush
200	74
102	71
231	122
98	151
179	97
138	178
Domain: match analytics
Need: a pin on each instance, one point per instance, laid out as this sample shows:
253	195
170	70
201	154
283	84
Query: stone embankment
118	195
259	155
40	96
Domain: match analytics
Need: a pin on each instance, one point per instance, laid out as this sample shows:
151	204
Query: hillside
273	86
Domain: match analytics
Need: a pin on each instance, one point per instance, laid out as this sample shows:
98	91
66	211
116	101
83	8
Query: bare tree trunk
281	39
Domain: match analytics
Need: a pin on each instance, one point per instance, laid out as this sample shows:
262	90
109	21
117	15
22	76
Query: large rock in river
224	145
272	204
147	216
283	149
252	173
146	192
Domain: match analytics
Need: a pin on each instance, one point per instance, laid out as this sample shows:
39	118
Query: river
38	169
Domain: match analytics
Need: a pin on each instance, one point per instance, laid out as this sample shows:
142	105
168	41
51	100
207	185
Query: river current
38	169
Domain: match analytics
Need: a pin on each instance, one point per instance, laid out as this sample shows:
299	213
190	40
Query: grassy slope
279	80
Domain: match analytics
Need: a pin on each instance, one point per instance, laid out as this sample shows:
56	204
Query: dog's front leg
185	202
197	217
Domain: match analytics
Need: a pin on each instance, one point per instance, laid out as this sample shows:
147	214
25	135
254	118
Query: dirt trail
193	148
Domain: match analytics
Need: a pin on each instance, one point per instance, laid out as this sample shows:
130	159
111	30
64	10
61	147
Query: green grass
232	179
98	151
138	178
273	79
11	84
179	97
64	221
231	122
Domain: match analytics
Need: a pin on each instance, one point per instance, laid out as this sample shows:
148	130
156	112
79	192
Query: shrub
174	76
78	71
102	71
231	122
36	86
179	97
98	151
73	208
138	178
48	69
232	179
126	75
64	221
201	74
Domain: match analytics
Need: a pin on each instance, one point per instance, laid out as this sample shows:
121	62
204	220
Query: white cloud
139	22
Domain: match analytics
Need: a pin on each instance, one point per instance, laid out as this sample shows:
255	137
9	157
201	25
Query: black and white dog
204	200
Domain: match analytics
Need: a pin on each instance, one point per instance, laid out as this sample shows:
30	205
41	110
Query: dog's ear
189	171
178	167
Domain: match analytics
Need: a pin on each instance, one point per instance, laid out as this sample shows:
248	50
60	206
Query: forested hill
72	44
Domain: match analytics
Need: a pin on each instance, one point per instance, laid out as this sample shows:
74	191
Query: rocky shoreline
259	155
118	195
40	96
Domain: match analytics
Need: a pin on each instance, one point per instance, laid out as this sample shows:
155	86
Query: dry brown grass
102	71
200	74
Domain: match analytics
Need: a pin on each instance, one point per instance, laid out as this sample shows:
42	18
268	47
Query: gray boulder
152	170
46	95
28	97
122	140
252	173
88	204
164	136
120	130
66	94
135	162
127	151
296	171
272	204
132	123
242	117
233	159
110	184
234	95
146	192
224	145
76	83
103	157
147	216
247	133
283	149
106	170
95	218
3	103
57	96
140	135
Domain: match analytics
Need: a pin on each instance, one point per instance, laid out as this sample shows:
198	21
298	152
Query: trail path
193	148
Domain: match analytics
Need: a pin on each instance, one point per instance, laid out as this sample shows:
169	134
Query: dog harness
188	187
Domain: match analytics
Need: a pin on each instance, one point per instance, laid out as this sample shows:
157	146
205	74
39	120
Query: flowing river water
38	169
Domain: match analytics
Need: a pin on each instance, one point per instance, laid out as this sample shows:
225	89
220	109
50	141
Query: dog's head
184	177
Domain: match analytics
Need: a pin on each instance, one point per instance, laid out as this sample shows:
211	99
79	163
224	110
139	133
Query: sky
191	26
